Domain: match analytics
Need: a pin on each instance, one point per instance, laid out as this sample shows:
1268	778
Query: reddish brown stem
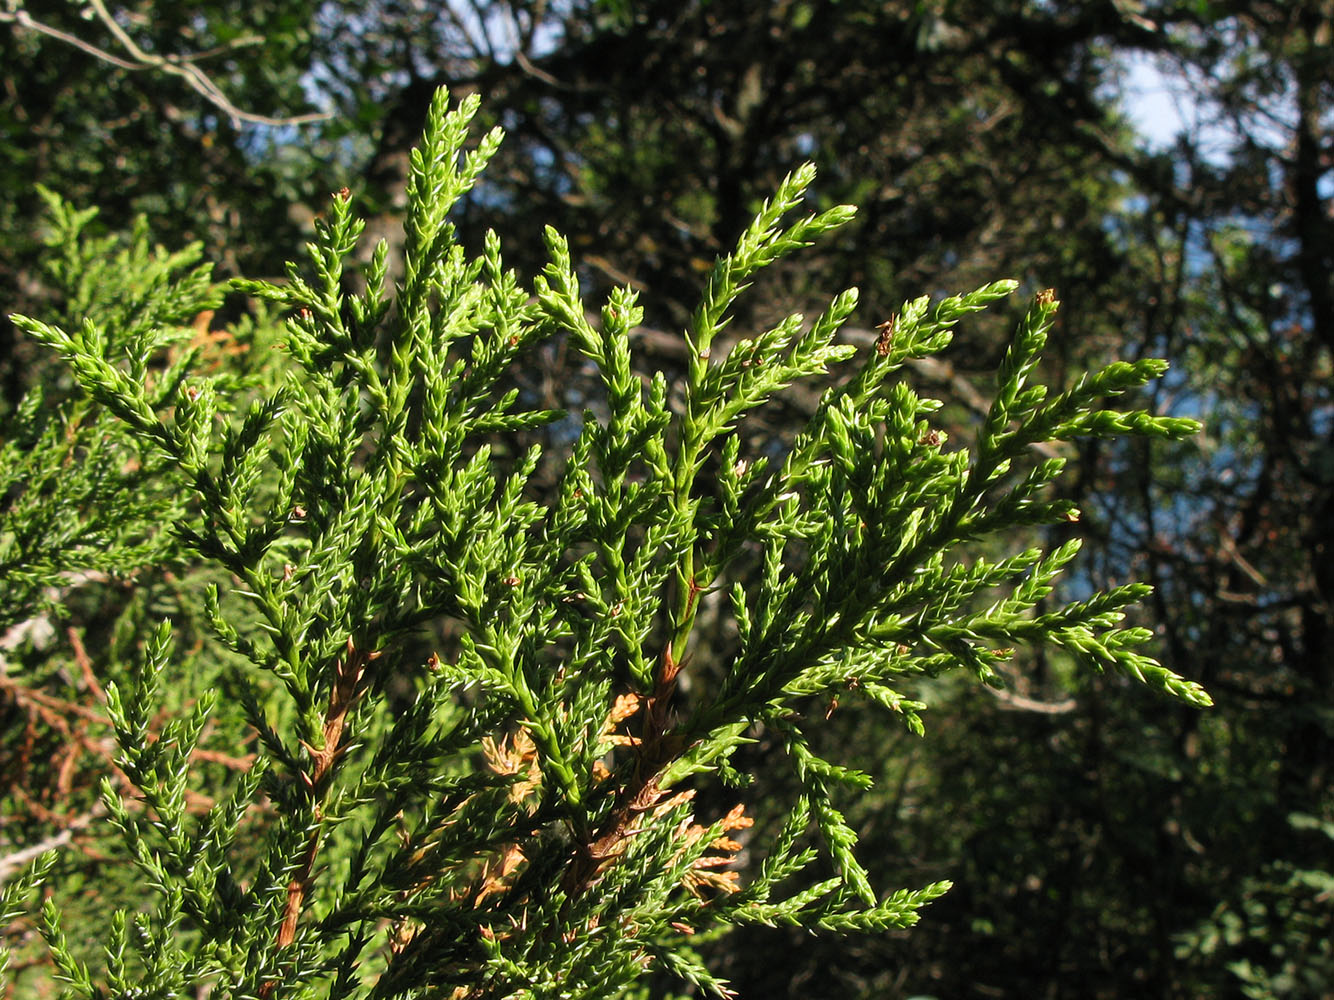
657	748
346	689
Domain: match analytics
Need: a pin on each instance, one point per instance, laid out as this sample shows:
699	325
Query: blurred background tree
1099	848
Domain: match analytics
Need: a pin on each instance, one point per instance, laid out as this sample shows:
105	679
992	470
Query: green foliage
519	814
1269	930
80	496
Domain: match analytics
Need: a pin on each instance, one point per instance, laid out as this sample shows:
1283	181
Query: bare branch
11	863
1019	703
25	20
180	66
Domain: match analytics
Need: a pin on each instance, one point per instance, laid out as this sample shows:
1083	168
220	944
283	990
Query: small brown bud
886	338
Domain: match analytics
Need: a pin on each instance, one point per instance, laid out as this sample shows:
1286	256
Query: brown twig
342	696
657	748
72	721
85	664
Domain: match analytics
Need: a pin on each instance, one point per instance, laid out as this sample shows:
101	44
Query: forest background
1101	844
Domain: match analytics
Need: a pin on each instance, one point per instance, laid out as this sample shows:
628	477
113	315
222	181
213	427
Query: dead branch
184	67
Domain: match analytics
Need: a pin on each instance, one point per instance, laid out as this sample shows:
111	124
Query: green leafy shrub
471	770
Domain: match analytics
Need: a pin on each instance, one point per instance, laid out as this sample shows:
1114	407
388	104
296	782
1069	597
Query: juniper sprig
516	815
